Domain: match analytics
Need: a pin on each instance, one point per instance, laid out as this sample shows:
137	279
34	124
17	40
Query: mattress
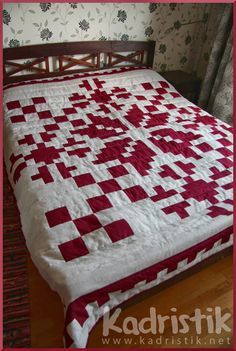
121	183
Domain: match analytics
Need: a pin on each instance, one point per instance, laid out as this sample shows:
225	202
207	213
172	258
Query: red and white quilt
121	183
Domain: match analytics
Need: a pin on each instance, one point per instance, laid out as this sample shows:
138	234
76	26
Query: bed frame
140	53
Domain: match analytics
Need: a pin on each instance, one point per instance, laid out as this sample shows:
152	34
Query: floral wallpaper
183	32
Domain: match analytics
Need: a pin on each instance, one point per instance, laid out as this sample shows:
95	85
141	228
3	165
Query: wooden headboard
140	53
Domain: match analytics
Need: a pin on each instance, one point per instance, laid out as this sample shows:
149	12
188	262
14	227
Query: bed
121	183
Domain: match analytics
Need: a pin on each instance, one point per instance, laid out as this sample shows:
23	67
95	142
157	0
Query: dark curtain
216	94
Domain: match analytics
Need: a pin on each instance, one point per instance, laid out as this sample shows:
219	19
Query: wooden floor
210	287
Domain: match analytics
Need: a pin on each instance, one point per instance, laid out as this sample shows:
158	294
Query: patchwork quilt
121	183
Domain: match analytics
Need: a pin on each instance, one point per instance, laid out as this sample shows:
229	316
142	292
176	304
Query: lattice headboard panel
48	60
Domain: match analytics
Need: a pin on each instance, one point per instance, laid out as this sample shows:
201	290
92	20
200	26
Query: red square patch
51	127
136	193
140	97
44	114
99	203
118	230
164	84
204	147
78	122
28	109
17	119
147	86
87	224
58	216
69	111
161	91
118	171
108	186
151	108
170	106
13	104
84	179
73	249
38	100
61	119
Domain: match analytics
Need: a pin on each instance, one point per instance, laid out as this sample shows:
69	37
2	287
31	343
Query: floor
16	309
210	287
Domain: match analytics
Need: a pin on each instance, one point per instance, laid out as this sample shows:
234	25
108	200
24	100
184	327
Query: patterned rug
16	309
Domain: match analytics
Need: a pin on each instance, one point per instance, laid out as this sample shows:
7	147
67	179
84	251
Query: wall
183	32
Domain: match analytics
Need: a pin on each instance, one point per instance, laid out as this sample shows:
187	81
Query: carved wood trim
63	52
126	58
81	62
27	66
